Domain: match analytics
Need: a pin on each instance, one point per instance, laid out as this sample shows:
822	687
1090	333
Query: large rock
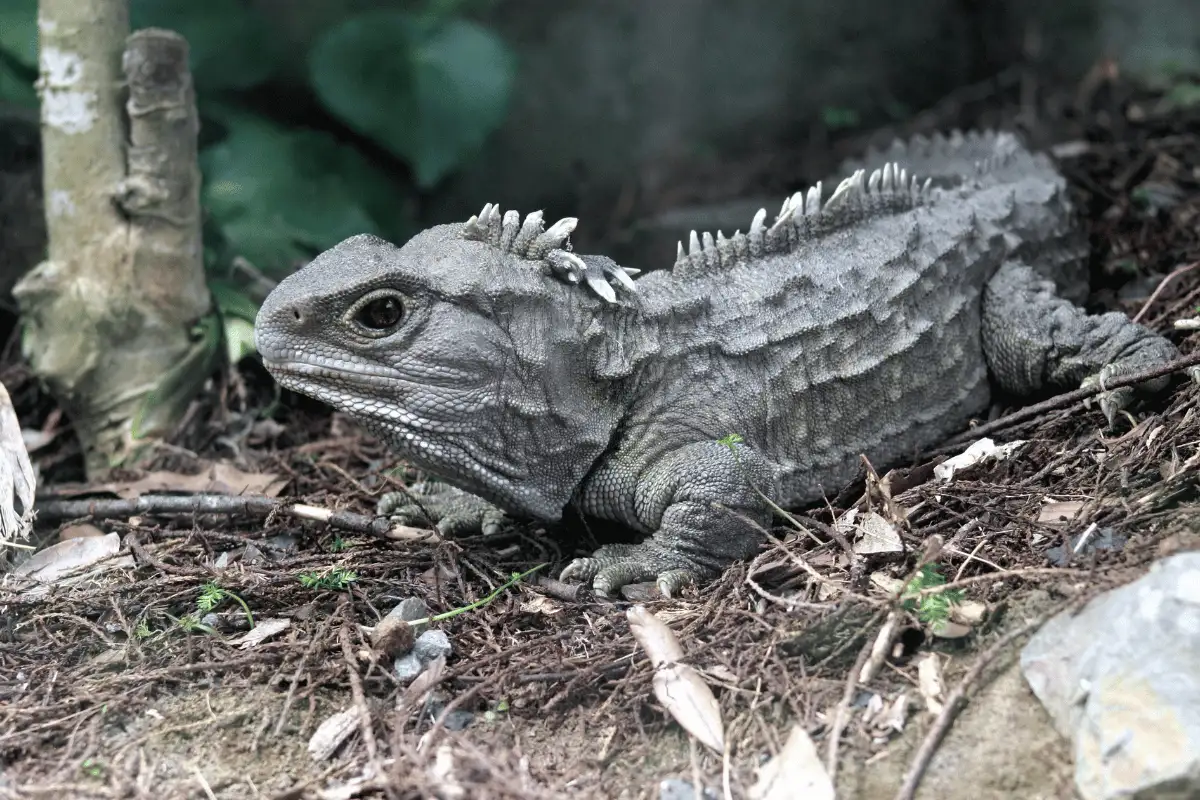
1121	680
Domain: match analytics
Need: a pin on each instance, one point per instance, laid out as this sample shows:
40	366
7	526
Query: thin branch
1163	285
1069	398
54	510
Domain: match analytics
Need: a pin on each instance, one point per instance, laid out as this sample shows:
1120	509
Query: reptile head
463	357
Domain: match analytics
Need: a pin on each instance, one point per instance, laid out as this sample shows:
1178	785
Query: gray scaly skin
876	319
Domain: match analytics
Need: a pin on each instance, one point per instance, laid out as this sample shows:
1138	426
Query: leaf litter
547	691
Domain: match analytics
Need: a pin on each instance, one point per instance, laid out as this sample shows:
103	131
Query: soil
107	691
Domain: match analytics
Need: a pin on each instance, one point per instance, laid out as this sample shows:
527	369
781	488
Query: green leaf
280	196
18	31
231	46
239	339
1185	94
232	301
430	92
16	89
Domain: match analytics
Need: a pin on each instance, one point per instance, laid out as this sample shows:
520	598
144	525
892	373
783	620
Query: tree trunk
118	321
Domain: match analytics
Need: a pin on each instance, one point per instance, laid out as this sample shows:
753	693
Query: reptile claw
1112	401
608	572
581	569
453	512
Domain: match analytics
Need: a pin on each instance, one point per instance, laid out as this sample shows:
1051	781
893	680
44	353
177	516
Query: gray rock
1121	680
410	609
458	720
432	644
408	667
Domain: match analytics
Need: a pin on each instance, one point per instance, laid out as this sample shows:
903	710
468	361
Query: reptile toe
608	572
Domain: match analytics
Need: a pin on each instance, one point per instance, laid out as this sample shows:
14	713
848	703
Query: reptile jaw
425	443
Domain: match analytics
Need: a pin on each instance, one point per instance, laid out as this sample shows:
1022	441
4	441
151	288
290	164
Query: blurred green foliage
390	104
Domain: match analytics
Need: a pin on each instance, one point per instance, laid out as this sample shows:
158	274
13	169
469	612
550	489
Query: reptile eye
381	313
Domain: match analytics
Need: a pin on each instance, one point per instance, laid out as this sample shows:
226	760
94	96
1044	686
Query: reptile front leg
691	499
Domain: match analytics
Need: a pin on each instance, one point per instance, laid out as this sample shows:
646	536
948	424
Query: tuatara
875	319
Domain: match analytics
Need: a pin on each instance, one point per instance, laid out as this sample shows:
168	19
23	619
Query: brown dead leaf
795	771
929	681
331	733
1059	512
80	531
219	478
540	604
54	563
678	686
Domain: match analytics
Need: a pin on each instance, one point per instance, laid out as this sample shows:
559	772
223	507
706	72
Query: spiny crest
551	247
804	216
984	150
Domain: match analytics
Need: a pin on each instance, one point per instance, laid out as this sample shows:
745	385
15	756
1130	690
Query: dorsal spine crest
550	247
804	217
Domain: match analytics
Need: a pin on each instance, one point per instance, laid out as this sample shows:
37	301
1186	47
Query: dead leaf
687	698
890	585
929	682
654	636
896	715
541	604
56	561
979	452
948	629
969	612
679	687
263	629
80	531
218	478
1059	512
442	772
874	533
795	771
720	672
331	733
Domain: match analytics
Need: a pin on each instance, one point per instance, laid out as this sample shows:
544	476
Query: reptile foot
451	511
615	566
1114	401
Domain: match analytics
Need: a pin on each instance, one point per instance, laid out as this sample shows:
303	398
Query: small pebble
410	609
252	555
408	667
432	644
457	720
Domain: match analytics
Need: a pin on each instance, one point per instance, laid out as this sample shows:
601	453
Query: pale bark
118	321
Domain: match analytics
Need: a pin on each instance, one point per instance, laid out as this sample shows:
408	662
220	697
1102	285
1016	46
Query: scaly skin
876	320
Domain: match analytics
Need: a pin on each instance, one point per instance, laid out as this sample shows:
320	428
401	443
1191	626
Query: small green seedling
335	579
931	609
190	623
92	769
212	595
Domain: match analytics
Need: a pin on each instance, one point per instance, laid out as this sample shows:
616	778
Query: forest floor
110	689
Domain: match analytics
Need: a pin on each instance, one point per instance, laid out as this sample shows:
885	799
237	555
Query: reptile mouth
323	367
